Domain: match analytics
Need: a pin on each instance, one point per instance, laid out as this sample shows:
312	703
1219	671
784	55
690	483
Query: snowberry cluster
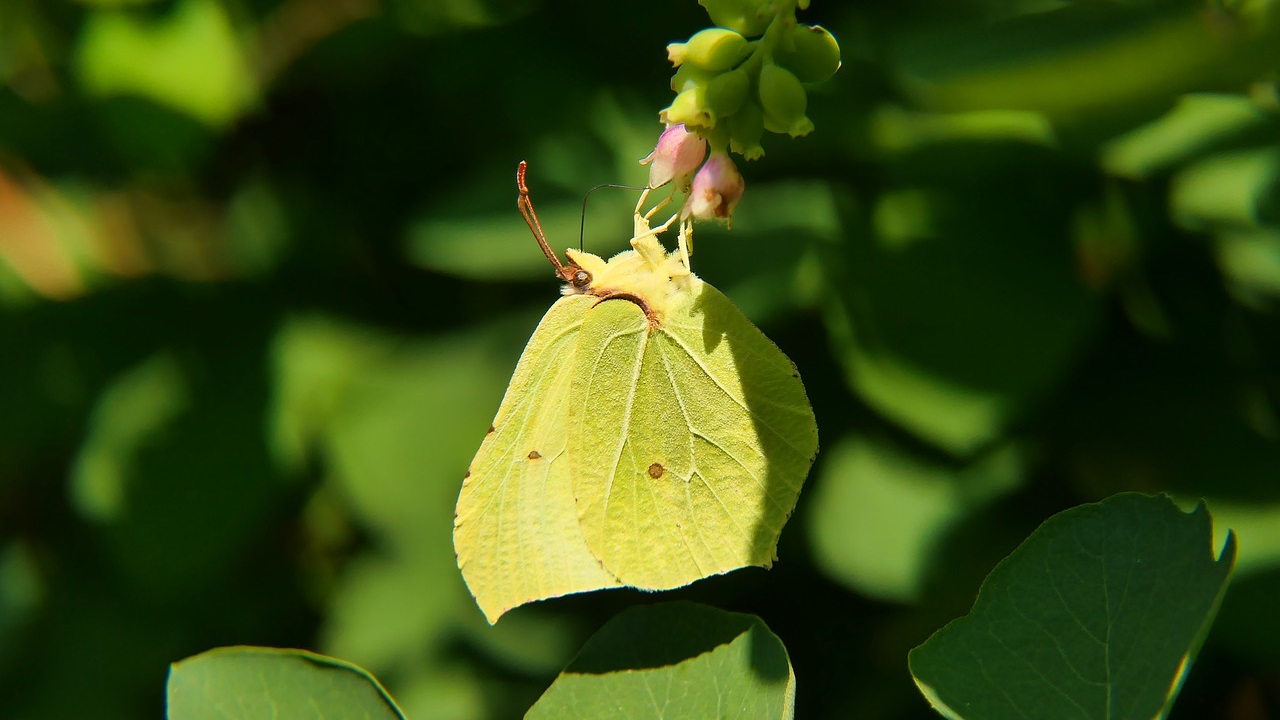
732	83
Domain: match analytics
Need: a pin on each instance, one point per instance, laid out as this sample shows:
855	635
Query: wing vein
740	402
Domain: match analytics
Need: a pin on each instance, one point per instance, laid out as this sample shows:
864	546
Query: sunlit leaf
254	683
675	660
190	61
1231	190
1199	122
895	130
1251	261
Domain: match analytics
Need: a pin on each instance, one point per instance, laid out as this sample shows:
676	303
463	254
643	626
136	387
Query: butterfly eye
581	279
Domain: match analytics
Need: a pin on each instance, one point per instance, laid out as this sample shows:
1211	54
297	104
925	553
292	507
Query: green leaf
1250	262
1097	615
675	660
1231	190
1081	59
131	413
245	683
191	61
497	246
1199	122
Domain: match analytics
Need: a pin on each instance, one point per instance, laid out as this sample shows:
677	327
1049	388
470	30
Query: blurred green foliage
262	283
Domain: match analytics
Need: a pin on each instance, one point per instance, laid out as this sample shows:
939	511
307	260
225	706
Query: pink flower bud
678	154
716	190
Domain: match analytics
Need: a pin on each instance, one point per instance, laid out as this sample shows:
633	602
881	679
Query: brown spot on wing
656	470
534	454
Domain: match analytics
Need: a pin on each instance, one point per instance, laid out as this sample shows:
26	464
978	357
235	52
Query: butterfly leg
684	238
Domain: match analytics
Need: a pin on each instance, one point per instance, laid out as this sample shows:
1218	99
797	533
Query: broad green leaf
255	683
1098	615
879	513
675	660
648	440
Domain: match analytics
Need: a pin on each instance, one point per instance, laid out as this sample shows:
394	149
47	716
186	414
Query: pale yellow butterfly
651	436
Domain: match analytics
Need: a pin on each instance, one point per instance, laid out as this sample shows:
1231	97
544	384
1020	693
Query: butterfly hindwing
689	440
516	530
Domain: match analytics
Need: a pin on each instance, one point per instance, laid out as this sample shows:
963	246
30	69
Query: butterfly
651	436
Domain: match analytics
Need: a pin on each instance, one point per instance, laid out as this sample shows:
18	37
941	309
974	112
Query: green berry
714	49
784	101
749	17
690	108
745	129
689	75
727	91
809	52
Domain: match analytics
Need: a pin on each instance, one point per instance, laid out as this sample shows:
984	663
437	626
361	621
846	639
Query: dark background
262	284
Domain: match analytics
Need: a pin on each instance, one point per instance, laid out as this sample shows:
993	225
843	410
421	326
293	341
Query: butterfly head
577	280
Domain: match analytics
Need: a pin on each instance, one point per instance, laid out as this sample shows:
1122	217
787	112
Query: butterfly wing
689	442
516	530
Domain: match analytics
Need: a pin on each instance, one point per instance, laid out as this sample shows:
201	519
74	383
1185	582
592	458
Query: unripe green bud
745	129
784	101
749	17
715	49
690	108
726	92
688	75
810	52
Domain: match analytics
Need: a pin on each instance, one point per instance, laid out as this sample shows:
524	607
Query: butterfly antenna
582	227
531	219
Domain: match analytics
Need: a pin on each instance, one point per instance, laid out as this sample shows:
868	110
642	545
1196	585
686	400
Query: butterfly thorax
648	276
